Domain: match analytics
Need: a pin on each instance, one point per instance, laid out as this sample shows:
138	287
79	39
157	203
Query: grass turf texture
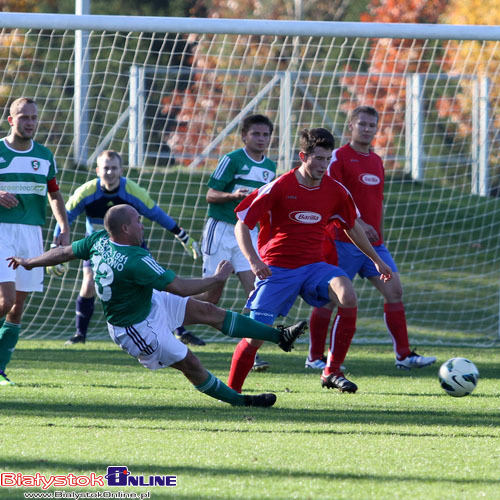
79	409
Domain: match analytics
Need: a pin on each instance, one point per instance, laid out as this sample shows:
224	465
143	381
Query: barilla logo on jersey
369	179
305	217
35	164
119	475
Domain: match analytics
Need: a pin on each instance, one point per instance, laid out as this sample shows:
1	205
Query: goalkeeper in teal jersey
27	178
144	303
95	198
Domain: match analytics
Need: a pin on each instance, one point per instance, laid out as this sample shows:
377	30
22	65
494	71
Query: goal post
169	94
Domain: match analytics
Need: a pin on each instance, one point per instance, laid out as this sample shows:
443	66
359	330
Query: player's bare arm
216	196
186	287
59	210
52	257
259	268
358	237
8	200
369	230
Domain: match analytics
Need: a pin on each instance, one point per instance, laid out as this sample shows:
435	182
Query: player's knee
394	294
342	293
205	313
6	304
348	298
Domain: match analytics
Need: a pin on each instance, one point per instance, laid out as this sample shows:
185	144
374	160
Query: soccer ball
458	377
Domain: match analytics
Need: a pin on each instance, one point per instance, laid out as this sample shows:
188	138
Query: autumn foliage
390	60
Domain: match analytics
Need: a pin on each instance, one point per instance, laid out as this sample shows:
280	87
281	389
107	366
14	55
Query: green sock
9	335
239	326
215	388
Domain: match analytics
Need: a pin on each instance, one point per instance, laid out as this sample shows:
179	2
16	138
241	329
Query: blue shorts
353	261
275	296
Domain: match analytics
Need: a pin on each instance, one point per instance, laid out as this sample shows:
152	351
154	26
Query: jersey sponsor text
305	217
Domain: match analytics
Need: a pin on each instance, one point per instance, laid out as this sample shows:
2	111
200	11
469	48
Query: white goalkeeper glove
190	246
58	269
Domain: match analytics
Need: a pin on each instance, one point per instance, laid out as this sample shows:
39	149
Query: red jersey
363	175
293	218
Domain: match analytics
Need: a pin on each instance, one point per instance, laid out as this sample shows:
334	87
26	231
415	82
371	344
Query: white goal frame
132	116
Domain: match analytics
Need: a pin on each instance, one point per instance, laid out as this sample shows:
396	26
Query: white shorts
219	243
21	240
151	341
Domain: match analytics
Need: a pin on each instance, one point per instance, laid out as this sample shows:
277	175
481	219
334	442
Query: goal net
169	94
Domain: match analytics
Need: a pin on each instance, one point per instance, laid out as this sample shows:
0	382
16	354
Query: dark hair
17	103
109	153
316	137
364	109
115	217
254	120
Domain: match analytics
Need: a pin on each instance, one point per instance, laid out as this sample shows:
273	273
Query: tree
383	84
478	59
196	111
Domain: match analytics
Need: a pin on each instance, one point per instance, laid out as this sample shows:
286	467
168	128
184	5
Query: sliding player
143	303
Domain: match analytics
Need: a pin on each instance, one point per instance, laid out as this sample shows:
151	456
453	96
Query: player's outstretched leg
237	325
209	384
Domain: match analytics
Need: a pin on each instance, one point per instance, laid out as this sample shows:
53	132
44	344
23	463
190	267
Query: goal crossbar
249	26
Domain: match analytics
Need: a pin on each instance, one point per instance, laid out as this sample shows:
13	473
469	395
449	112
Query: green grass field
80	409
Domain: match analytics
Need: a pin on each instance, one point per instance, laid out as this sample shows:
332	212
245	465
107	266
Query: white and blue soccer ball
458	377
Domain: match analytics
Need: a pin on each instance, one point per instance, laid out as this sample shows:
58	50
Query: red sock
241	364
318	330
344	326
395	320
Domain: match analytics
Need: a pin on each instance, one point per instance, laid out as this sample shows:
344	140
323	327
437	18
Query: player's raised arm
193	286
52	257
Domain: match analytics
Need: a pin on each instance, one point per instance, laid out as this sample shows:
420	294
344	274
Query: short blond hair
111	154
18	103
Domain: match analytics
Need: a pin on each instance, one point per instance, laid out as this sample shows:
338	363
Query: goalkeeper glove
190	246
58	269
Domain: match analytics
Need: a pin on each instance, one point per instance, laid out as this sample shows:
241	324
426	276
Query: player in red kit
293	212
361	171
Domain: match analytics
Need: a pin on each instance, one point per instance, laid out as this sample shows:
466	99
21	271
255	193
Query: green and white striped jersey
124	277
25	174
234	171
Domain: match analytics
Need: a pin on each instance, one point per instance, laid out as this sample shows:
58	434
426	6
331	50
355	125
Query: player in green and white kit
27	177
237	174
144	303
